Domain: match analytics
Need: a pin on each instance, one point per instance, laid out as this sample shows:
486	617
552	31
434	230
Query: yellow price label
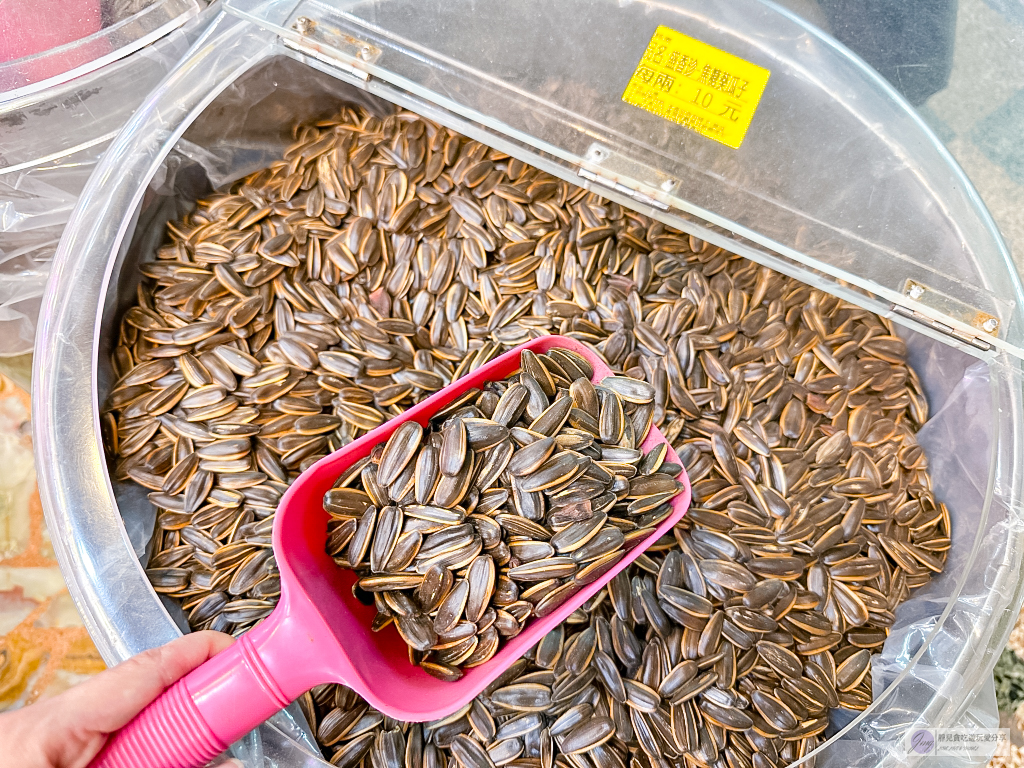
697	85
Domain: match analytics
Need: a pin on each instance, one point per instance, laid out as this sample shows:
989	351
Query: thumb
126	689
70	729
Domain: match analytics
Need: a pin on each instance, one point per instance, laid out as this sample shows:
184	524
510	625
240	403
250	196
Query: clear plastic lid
46	42
837	180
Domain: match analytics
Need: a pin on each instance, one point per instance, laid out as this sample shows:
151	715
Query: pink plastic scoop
320	633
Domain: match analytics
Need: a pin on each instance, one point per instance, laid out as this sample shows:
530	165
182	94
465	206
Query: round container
837	182
71	74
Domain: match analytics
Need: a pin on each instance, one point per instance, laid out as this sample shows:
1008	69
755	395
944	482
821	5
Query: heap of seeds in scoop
382	258
529	490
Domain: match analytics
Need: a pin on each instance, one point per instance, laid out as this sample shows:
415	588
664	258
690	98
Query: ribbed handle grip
220	701
169	733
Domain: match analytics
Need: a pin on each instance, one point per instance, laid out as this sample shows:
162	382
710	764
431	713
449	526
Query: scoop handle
217	703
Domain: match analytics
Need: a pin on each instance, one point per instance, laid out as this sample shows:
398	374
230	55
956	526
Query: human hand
69	730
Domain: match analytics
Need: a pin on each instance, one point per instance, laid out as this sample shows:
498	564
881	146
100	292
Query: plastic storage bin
71	74
837	182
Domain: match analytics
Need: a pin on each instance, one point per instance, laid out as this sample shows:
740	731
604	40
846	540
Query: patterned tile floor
980	117
44	649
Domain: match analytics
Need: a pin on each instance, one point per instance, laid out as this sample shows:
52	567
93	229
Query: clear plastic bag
919	669
34	206
921	676
50	142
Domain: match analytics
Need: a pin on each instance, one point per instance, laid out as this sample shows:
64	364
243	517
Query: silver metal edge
118	606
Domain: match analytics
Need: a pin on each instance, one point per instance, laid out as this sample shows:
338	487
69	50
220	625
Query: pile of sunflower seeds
382	258
524	493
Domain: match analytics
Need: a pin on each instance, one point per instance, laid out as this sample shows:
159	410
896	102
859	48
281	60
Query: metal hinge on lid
622	189
939	311
324	43
937	325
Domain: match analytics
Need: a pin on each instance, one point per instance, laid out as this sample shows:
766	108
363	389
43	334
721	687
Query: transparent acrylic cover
45	42
837	180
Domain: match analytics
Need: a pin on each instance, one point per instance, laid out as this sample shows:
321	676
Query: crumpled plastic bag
39	189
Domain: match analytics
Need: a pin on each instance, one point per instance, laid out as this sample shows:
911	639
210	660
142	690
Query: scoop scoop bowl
320	632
